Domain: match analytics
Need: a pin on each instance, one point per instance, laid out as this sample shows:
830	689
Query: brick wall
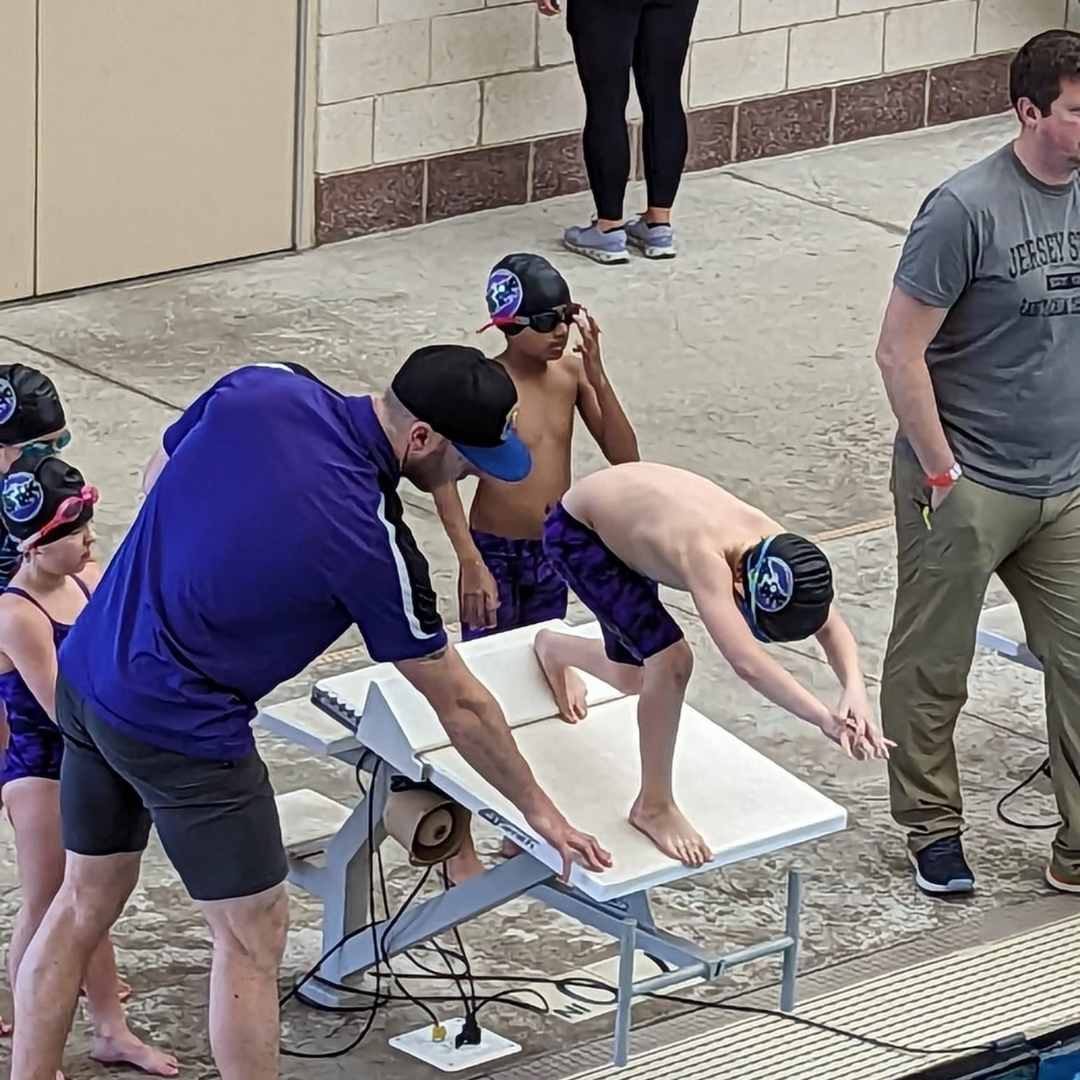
430	108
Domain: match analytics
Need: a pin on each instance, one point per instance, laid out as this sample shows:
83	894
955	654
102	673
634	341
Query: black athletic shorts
217	820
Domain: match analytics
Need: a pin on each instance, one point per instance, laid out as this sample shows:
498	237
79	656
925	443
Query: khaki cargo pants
943	574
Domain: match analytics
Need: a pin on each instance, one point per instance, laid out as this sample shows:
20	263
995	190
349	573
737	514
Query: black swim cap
789	588
29	405
524	284
33	492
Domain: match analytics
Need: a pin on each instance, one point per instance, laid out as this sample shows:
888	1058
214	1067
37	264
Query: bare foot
566	684
128	1050
466	864
509	849
671	833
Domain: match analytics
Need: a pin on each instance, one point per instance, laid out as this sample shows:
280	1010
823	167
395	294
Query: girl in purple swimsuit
47	508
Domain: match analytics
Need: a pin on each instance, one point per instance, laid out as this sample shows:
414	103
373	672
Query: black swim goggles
543	322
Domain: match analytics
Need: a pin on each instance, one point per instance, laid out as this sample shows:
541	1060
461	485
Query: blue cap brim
509	461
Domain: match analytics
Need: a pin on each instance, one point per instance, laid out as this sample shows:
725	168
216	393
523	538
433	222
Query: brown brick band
396	196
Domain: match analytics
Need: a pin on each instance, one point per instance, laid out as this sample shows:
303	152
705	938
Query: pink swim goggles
67	512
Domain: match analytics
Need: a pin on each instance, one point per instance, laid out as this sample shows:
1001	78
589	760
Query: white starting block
743	804
1001	630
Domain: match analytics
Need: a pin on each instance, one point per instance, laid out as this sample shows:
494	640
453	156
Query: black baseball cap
30	407
524	284
470	400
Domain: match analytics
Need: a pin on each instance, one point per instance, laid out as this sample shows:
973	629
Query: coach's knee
253	928
674	665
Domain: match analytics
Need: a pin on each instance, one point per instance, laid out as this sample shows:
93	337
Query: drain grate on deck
1023	984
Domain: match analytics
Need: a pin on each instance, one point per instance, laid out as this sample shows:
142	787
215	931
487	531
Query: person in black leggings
612	38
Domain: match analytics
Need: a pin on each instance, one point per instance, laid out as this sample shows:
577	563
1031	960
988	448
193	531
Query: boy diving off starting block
619	532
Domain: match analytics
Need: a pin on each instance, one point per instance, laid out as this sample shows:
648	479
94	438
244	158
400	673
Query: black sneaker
941	868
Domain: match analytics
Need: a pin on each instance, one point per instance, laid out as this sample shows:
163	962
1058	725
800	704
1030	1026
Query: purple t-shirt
274	526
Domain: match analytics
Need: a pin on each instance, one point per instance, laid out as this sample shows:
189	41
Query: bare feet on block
669	830
566	684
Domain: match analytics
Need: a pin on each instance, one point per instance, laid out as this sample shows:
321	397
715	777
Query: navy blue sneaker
941	868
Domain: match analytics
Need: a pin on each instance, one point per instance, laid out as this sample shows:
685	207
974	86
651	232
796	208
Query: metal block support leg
791	929
627	944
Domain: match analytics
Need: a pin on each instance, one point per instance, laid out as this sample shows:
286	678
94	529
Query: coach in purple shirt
272	523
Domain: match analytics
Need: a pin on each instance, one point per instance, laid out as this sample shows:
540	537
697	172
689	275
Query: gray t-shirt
1001	251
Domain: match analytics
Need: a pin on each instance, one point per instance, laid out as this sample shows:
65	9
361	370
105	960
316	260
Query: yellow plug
438	1033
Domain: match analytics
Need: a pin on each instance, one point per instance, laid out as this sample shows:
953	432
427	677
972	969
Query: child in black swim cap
620	531
47	507
33	425
787	588
505	580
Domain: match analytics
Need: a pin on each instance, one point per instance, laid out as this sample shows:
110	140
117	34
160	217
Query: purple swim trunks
530	588
626	604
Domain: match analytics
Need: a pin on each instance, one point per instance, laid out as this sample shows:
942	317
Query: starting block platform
744	804
1001	630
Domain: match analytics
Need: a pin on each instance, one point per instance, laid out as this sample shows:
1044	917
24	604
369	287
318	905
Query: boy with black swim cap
617	534
505	580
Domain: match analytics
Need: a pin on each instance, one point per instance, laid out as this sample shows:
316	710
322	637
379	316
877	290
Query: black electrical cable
354	1043
597	985
460	952
504	996
1034	826
882	1044
382	957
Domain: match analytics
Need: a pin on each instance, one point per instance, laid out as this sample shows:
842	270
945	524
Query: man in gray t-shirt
980	354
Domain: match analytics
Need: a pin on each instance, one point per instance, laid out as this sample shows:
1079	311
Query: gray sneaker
653	241
601	247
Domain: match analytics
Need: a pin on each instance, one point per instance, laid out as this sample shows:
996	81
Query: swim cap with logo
30	407
34	491
788	588
524	284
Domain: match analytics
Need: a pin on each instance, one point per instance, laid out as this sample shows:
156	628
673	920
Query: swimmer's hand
574	846
589	348
478	595
851	726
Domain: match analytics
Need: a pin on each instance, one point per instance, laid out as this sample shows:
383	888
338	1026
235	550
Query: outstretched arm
597	401
843	655
477	728
478	594
712	587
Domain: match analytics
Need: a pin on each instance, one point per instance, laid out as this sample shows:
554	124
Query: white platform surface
742	803
309	820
